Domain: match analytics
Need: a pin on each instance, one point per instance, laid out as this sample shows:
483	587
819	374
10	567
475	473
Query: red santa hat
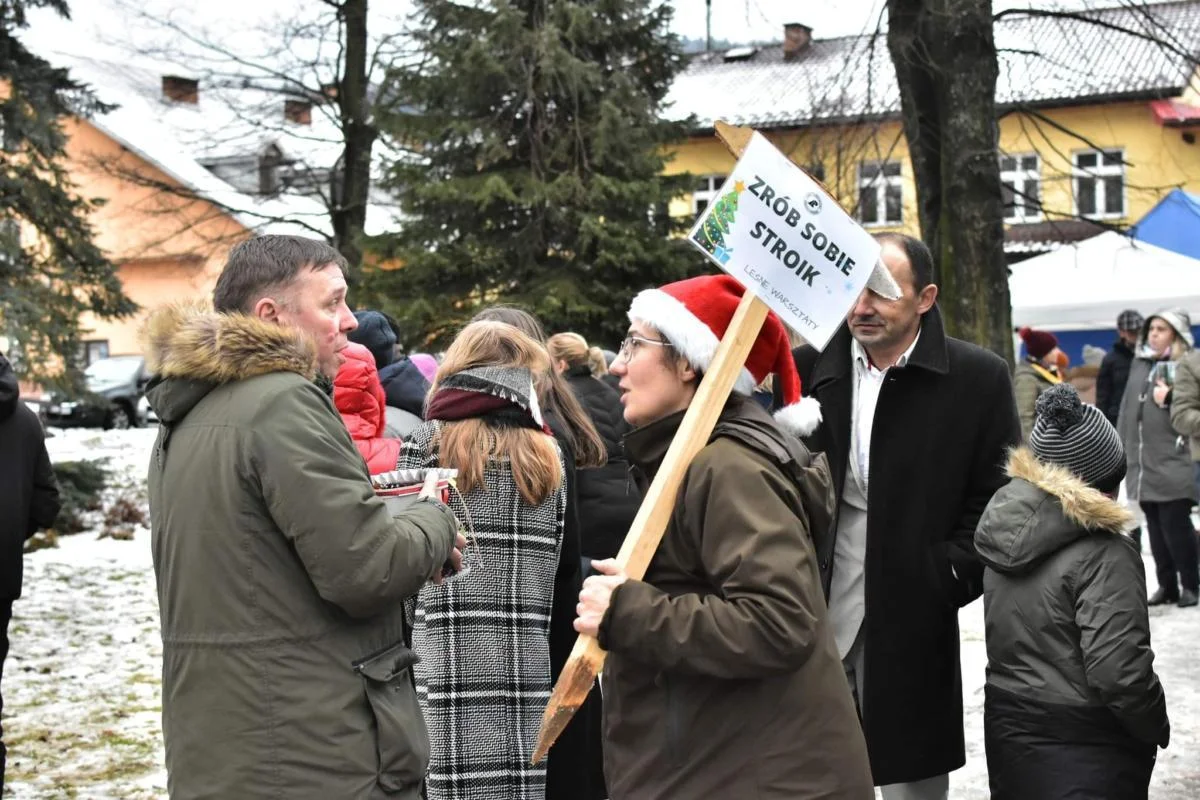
693	315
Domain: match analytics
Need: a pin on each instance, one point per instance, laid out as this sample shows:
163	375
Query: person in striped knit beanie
1072	705
1077	436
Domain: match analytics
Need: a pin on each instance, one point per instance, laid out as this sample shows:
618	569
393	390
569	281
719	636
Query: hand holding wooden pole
650	524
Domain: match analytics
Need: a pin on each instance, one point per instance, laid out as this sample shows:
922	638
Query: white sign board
776	231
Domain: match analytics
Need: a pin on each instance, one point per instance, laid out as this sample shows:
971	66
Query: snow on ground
81	685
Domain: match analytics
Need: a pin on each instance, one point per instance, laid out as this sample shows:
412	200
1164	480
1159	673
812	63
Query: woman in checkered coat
483	635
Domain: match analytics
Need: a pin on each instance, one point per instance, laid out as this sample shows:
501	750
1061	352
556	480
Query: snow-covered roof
1043	61
181	138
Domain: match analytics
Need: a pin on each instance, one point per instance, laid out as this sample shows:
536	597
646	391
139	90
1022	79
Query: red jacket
360	400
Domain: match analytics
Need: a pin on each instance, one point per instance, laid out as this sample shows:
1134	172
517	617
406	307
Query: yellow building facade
1109	162
1097	121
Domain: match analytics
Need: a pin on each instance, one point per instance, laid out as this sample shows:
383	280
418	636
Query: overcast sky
98	21
734	20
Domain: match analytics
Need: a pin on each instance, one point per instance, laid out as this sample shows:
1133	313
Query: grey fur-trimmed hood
1042	510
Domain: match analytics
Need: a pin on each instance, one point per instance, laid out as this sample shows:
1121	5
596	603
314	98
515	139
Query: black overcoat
608	499
28	490
943	426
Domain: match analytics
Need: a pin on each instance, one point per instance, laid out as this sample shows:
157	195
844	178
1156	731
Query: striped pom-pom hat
1072	434
693	315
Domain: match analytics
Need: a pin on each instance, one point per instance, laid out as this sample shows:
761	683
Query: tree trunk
945	60
350	190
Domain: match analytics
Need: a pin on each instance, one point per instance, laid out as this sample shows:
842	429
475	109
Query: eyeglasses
631	344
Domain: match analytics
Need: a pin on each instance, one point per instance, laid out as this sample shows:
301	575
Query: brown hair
265	264
555	393
469	444
573	349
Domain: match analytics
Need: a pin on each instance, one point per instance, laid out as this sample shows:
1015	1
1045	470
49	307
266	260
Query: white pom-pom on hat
694	314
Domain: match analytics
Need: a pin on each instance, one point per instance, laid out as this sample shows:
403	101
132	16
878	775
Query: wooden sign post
650	524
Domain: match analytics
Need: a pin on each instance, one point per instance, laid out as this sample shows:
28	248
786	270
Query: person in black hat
28	498
403	384
1110	388
1114	369
1072	705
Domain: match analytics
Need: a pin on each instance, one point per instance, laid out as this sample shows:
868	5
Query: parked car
146	411
115	387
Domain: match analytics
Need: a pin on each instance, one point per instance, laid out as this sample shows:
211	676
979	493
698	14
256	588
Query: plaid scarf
505	396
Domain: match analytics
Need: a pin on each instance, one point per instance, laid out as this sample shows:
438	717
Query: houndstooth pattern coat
483	638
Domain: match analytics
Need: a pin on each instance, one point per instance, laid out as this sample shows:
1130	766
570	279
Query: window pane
1008	163
1006	197
1114	202
1029	163
703	185
701	205
1112	158
1033	197
891	168
868	202
893	203
868	171
1085	195
1085	160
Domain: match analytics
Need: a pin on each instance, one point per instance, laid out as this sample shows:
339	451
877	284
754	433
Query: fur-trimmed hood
1041	511
191	349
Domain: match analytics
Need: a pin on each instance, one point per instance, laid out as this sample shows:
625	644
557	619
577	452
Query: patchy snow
81	684
82	710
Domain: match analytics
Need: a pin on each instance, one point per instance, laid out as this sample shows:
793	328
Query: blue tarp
1173	224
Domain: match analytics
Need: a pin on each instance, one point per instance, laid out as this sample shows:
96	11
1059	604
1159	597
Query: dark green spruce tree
535	179
50	269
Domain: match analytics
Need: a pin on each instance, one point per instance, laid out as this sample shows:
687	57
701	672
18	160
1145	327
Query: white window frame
1021	177
1098	174
709	194
879	185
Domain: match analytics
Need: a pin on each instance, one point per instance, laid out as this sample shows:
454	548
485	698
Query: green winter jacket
280	576
1064	598
1185	400
723	679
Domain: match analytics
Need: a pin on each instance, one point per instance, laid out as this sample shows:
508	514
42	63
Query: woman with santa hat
722	677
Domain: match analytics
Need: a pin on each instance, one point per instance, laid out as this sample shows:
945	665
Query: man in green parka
281	577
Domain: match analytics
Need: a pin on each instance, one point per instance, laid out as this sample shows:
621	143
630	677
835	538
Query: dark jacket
566	766
608	499
281	576
722	678
1073	707
1159	458
28	490
1111	380
404	386
942	429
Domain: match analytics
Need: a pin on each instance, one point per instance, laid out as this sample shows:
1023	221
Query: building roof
183	139
1031	238
1044	61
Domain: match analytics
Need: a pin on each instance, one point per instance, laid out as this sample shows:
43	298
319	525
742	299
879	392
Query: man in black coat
916	428
1114	369
28	500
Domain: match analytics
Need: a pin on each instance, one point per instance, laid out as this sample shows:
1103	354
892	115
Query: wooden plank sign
731	243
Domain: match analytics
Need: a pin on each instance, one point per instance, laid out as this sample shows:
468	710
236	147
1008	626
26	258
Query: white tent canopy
1084	286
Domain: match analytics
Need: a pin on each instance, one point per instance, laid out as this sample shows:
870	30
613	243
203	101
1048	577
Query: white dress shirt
847	595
